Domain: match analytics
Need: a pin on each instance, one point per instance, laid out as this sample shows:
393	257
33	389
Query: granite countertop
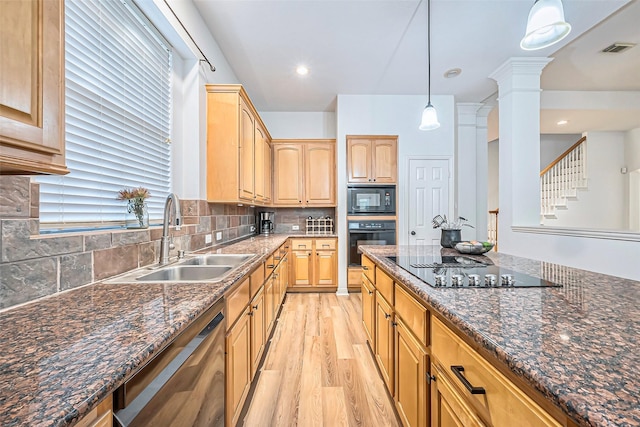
61	355
578	345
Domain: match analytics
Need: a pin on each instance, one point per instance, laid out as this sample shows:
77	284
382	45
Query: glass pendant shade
545	26
429	118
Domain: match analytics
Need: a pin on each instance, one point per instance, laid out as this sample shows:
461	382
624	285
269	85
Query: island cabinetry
368	292
372	159
32	81
238	150
314	263
257	314
100	416
304	173
465	380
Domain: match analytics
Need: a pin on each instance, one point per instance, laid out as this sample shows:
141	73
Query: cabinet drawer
414	315
369	268
384	285
236	302
503	403
257	279
301	244
325	244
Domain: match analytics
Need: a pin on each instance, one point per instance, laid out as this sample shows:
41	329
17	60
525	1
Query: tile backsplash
34	265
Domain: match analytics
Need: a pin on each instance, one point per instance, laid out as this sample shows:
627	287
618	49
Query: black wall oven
369	233
368	200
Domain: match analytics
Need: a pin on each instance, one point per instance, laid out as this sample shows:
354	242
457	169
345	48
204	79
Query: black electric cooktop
465	272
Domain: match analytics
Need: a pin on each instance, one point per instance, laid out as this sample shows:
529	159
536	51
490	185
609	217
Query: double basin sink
209	268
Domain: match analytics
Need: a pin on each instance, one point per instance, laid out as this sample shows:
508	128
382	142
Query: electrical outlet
219	235
295	227
207	238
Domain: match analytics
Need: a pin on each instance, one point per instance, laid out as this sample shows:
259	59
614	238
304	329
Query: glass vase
137	215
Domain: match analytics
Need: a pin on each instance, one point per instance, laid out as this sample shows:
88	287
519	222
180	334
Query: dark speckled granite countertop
61	355
578	345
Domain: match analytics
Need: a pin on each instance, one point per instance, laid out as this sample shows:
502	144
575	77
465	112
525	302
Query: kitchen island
60	356
575	345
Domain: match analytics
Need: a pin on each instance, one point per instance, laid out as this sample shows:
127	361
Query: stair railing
563	177
492	231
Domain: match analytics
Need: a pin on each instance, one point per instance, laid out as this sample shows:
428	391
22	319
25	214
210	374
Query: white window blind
118	99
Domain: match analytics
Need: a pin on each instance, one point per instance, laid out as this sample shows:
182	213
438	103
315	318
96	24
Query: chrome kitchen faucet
165	244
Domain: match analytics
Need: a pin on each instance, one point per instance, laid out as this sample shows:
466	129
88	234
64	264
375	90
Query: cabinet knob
255	307
370	292
386	316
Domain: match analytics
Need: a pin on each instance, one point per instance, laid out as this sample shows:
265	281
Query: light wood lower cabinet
314	263
237	367
368	292
502	402
384	340
411	370
100	416
448	407
257	313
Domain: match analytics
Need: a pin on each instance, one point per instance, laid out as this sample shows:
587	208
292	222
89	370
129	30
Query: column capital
520	67
467	112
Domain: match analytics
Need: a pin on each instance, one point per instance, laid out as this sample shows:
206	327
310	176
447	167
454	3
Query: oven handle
378	230
125	416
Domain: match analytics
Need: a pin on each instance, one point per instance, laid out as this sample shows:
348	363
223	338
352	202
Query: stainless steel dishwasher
184	384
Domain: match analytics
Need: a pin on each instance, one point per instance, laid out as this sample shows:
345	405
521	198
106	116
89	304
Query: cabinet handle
386	316
458	370
270	266
430	378
364	267
277	258
255	307
370	292
250	313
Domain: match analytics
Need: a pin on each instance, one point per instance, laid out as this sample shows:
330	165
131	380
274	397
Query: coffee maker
265	222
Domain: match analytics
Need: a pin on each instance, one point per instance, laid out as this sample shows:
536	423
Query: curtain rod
213	69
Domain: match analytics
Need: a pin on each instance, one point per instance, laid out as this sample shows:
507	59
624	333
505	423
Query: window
117	100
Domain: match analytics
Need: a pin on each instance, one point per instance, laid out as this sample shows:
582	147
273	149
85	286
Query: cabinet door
268	180
269	301
246	156
259	162
368	309
32	95
359	160
448	407
384	340
325	269
301	268
257	330
238	367
385	161
320	180
288	174
411	368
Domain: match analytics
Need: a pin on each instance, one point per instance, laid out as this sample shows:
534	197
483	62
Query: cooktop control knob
441	280
474	280
507	280
457	280
490	280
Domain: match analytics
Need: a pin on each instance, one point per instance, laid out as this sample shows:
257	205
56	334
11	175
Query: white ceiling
379	47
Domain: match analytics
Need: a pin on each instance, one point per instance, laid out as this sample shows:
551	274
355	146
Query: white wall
390	115
632	178
603	204
304	125
494	173
553	145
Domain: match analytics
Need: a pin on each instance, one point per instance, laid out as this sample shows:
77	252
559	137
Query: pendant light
429	115
545	26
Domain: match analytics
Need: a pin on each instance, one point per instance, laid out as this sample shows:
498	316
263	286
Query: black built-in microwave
371	200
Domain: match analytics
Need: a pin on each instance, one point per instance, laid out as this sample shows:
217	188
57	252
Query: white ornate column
519	183
466	191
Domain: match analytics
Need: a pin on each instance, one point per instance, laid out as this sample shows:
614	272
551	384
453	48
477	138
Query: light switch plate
295	227
207	238
219	235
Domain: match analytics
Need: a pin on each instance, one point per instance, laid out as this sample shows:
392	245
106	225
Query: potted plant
137	212
451	230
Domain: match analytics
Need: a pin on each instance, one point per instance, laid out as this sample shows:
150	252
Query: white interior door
428	197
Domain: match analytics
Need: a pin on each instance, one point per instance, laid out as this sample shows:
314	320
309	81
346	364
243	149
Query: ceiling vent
618	47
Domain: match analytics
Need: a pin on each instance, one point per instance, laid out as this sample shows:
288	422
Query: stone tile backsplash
34	265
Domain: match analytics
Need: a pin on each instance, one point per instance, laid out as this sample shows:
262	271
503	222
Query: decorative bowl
474	248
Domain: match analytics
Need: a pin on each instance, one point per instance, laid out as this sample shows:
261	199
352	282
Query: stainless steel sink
218	259
187	273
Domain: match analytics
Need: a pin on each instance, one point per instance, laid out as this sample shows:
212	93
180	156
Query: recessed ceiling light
302	70
562	122
454	72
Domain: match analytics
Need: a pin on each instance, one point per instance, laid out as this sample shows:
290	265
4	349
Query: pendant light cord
429	49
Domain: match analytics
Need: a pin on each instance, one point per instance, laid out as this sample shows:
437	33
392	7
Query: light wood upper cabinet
32	87
238	151
372	159
304	173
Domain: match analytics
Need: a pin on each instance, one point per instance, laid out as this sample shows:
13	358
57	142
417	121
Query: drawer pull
458	370
364	267
270	265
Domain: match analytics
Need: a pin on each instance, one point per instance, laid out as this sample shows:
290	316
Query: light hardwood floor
318	370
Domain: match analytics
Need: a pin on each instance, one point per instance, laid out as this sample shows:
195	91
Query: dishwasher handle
125	416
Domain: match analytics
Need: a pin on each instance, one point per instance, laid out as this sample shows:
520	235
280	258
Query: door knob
413	233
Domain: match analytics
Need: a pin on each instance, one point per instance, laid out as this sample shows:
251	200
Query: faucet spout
174	203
